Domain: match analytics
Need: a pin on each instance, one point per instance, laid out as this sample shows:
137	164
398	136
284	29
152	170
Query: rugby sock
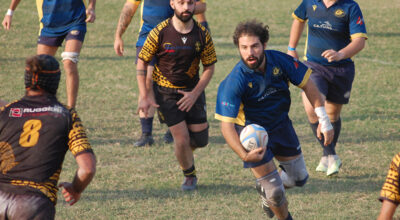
147	125
314	127
289	217
191	172
337	126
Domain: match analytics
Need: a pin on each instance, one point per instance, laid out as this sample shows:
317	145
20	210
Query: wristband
291	48
323	119
10	12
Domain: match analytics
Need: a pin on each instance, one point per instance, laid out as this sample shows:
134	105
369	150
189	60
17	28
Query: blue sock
147	125
330	149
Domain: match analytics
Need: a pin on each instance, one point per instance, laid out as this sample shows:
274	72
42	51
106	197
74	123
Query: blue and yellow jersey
391	188
58	17
152	13
246	96
330	28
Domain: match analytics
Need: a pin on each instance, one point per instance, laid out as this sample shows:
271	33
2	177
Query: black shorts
25	206
168	111
57	41
334	82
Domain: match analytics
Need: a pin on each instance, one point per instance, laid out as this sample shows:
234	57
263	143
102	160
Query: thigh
73	45
168	110
341	83
283	140
198	113
45	49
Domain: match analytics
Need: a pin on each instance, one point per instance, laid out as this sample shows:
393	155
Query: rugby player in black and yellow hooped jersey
35	134
179	43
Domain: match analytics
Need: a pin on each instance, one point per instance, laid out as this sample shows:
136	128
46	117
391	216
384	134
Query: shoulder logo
250	84
339	13
314	7
197	46
276	71
184	39
360	20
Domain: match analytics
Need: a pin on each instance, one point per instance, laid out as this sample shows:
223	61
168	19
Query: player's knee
294	172
272	189
72	56
199	139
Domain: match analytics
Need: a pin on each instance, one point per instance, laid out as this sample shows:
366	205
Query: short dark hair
252	28
42	72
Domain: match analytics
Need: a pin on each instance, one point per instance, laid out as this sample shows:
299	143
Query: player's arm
201	7
314	96
146	94
8	17
189	98
355	46
232	139
295	34
90	11
125	19
387	211
84	174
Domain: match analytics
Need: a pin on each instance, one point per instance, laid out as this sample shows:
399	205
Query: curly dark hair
252	28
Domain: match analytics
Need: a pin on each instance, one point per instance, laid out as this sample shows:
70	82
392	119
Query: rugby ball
253	136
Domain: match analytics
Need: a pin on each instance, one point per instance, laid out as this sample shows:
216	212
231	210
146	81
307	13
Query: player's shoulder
275	56
349	4
396	160
162	25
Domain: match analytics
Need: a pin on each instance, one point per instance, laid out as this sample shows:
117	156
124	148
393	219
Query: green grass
143	183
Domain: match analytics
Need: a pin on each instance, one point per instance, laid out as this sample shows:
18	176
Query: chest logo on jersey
197	46
339	13
314	7
15	112
184	39
324	25
276	71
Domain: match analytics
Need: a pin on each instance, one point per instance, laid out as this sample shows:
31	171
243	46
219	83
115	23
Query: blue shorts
138	49
282	141
57	41
334	82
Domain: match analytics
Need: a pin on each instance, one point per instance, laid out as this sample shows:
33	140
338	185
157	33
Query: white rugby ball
253	136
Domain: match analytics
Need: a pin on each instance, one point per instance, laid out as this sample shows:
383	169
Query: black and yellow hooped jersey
178	55
35	134
390	190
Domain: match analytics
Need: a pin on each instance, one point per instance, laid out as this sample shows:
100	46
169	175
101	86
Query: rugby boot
334	164
168	137
189	183
145	139
323	164
264	203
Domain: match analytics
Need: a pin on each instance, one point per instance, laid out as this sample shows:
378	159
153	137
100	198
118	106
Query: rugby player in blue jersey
61	21
153	13
336	32
257	91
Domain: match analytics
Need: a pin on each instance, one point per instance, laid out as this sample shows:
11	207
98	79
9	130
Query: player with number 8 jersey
35	134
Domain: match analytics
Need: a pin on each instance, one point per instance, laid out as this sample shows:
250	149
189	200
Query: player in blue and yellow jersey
335	33
153	12
35	134
179	44
257	91
61	20
390	193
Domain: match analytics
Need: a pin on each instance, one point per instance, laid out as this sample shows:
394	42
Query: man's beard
184	18
255	65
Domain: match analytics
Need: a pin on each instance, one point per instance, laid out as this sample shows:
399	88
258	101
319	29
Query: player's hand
7	22
293	53
90	15
187	101
328	135
145	104
70	195
119	46
332	55
255	155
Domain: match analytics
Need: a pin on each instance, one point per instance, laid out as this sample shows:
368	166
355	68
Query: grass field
144	183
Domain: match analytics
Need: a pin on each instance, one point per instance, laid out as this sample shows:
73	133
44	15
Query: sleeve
228	103
208	55
78	141
390	190
356	23
136	2
151	44
296	71
301	12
